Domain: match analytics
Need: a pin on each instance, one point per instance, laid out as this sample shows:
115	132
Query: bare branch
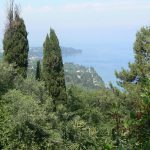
17	12
13	14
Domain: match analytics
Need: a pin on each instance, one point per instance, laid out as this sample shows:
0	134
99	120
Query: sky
82	23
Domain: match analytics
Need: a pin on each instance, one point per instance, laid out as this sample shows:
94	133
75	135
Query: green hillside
85	77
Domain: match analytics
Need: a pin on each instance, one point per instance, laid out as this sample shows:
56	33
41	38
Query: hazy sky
79	23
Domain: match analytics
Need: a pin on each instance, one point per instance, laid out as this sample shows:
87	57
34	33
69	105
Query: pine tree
131	80
53	70
135	82
38	70
140	69
15	42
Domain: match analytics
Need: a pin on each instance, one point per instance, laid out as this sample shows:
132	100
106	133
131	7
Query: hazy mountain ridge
37	52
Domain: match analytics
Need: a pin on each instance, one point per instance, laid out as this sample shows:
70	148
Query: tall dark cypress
38	70
45	71
53	70
15	42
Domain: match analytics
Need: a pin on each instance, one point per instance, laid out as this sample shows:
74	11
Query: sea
105	59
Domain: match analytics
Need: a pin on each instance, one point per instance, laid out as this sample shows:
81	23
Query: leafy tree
22	125
139	125
53	70
27	120
38	70
7	81
15	42
32	87
7	77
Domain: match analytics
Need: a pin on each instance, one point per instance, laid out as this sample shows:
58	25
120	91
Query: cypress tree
46	55
15	42
38	70
53	70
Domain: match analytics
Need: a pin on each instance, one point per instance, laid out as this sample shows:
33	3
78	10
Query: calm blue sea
105	59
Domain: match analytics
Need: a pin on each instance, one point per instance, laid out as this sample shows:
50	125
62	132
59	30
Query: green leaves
7	77
146	93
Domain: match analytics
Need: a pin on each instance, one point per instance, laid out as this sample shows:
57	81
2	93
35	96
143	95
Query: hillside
82	76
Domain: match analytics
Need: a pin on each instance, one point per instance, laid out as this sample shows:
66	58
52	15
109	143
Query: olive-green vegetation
85	77
1	57
102	119
15	42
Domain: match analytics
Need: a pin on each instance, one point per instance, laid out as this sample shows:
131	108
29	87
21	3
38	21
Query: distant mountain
37	52
68	51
